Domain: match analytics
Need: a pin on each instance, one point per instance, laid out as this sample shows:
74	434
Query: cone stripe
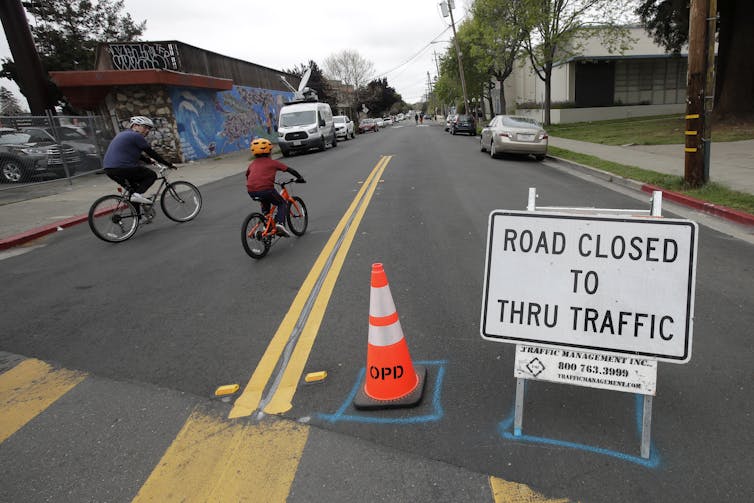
381	302
385	335
383	321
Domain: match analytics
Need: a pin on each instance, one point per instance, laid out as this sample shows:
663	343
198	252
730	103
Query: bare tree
9	104
350	68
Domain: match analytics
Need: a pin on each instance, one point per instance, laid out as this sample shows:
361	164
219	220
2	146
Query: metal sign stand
646	423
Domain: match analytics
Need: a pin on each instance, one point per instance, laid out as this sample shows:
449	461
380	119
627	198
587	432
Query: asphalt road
182	307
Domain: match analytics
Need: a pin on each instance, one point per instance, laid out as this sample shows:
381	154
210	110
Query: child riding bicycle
260	182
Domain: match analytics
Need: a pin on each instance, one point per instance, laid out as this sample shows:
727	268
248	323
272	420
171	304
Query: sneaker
138	198
281	231
147	214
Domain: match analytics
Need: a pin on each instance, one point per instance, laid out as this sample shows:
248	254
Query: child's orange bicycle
258	231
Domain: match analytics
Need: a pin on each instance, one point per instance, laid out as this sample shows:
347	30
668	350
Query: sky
401	38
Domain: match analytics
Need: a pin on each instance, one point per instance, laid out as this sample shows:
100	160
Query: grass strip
711	192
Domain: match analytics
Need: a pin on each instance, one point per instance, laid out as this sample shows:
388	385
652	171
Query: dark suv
23	155
463	124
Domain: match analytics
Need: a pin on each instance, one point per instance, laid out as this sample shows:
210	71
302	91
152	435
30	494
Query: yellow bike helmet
261	146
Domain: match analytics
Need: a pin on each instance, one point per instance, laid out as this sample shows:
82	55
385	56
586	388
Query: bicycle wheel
113	218
254	243
298	217
181	201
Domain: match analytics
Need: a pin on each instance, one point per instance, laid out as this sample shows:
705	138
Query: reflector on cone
391	378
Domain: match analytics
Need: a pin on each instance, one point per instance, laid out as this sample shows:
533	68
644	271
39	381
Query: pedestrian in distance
260	182
126	158
416	119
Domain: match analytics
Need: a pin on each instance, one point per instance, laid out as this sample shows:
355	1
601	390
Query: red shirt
261	174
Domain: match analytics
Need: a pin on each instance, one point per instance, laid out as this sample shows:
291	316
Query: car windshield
71	134
14	138
522	122
298	118
367	121
338	119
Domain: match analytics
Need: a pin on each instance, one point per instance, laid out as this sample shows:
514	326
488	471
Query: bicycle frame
127	191
269	229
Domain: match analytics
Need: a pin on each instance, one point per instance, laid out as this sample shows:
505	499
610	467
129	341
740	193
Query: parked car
515	135
23	156
73	136
463	123
387	121
368	125
449	119
380	122
343	127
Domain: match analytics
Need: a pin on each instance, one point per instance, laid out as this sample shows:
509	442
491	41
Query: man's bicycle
258	231
114	218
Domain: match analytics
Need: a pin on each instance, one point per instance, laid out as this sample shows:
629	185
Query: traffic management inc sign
597	283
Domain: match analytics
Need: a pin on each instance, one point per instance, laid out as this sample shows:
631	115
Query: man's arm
157	157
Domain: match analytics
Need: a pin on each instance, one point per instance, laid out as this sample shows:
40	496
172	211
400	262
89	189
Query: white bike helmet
140	119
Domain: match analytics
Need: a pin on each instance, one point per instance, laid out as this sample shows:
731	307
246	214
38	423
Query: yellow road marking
28	389
214	459
281	400
249	399
512	492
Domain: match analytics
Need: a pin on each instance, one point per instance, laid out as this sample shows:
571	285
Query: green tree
558	28
668	22
379	97
9	104
497	31
66	33
448	86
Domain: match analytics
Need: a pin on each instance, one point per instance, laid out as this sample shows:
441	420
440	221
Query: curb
717	210
703	206
33	234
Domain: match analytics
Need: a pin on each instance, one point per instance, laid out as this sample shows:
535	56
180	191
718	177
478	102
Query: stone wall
152	101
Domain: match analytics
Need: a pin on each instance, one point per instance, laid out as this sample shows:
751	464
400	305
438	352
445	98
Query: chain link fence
39	149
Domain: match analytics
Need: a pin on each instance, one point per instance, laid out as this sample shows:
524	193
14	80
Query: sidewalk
731	165
24	217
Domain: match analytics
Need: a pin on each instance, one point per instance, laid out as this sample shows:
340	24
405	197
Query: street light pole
449	6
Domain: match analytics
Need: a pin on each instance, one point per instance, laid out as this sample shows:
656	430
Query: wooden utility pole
695	116
709	90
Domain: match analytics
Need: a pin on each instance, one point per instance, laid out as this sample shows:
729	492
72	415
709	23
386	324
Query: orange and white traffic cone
391	379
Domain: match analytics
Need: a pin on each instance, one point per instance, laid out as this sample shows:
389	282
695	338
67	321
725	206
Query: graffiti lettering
144	56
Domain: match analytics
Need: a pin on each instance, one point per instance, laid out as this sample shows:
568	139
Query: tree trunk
503	104
734	91
548	87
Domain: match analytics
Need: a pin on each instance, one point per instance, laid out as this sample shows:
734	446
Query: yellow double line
295	336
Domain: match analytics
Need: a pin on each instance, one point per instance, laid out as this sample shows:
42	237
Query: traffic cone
391	379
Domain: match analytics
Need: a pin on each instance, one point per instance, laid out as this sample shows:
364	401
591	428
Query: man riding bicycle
125	159
260	182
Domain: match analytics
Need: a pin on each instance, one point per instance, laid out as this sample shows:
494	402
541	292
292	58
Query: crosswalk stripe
28	389
216	459
512	492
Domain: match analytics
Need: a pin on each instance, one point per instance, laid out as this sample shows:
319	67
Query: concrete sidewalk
30	213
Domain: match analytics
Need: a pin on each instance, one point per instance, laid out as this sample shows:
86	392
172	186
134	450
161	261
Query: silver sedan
514	135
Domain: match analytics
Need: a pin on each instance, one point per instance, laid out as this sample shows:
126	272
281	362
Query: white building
597	85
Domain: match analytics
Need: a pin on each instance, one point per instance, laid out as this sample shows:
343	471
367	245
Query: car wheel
285	152
493	151
481	145
13	172
539	157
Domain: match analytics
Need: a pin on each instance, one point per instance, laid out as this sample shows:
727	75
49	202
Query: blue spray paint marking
436	414
505	426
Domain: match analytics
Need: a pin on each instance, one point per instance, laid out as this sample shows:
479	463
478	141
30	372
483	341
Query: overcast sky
395	35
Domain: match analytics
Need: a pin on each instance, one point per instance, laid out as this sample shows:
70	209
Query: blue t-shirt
125	150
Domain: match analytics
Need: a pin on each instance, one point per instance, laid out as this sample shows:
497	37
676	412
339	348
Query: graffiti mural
144	56
212	123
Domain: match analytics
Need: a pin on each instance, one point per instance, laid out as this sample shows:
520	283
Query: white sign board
632	374
597	283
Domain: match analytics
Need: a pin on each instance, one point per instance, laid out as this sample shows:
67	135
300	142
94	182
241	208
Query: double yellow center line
289	348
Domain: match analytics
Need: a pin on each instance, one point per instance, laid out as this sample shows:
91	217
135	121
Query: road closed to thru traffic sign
601	283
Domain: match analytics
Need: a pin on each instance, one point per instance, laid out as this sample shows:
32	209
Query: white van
303	126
